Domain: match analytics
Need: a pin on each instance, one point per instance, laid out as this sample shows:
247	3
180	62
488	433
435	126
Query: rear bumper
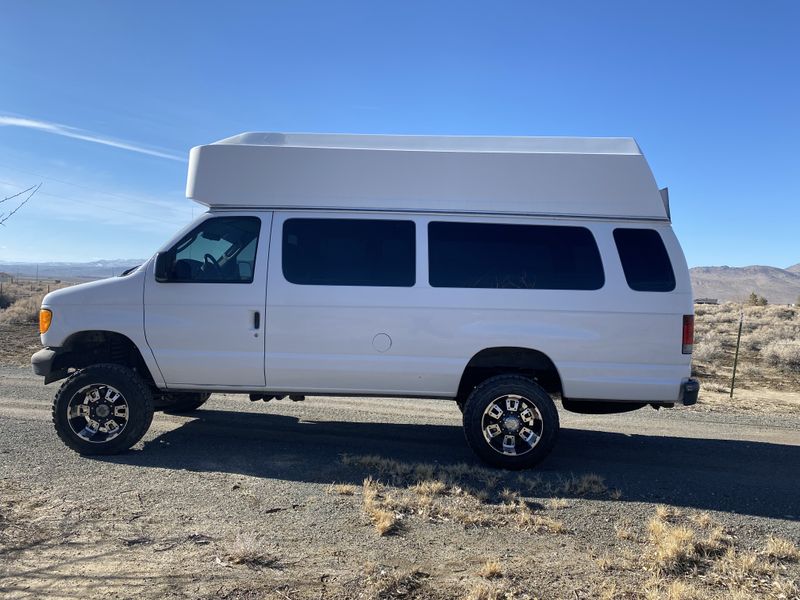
689	392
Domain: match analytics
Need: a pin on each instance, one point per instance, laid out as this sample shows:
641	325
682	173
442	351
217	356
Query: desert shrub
5	300
748	369
722	316
24	310
783	313
710	335
708	351
755	300
784	354
756	340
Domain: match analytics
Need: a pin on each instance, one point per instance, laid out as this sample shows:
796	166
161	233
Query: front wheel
510	422
102	409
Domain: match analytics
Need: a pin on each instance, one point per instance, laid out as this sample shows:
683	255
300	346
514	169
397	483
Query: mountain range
69	271
778	286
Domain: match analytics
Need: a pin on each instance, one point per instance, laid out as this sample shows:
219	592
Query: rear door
204	304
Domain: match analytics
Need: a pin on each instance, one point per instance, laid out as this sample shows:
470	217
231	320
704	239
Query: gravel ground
237	501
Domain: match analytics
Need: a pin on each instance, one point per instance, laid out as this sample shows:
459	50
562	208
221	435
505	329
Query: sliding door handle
256	320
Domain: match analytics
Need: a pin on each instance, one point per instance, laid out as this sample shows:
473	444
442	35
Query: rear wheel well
94	347
509	360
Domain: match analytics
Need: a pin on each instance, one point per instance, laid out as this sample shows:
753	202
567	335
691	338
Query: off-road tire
484	395
179	403
136	395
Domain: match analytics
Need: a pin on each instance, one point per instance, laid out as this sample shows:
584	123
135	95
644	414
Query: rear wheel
102	409
181	402
510	422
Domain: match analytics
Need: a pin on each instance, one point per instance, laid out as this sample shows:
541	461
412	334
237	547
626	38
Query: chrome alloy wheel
512	425
97	413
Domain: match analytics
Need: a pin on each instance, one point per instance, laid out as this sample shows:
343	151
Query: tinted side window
219	250
363	252
481	255
644	260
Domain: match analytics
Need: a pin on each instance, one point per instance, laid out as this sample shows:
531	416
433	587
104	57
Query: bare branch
17	194
5	217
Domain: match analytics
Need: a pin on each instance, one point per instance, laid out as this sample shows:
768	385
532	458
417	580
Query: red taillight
688	333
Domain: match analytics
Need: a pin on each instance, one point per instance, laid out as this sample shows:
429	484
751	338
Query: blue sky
101	101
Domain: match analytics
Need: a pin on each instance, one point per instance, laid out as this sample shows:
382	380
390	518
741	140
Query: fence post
736	355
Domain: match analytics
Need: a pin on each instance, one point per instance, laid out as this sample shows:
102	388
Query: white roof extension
589	177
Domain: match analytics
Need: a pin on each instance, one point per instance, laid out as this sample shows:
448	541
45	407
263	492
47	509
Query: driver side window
219	250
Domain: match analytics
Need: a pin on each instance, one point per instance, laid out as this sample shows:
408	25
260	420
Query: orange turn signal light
45	318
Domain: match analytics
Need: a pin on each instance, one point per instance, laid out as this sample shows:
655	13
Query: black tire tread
136	429
473	414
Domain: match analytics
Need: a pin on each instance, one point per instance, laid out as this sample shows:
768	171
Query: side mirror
163	263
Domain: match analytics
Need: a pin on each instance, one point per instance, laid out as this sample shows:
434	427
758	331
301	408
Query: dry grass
429	488
556	503
708	351
783	354
781	549
588	484
490	591
742	569
672	547
388	584
604	562
24	310
769	357
702	519
20	301
529	521
377	506
666	513
491	569
624	530
674	590
677	548
692	557
404	473
439	494
248	549
342	489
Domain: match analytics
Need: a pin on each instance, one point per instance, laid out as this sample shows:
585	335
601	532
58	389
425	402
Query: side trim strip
471	213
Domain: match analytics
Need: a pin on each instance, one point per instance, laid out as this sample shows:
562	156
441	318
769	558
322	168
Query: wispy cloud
86	136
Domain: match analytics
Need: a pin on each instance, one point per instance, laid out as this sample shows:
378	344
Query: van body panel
512	175
204	334
608	343
113	305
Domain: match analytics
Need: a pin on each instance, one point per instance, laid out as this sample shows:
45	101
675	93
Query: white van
496	272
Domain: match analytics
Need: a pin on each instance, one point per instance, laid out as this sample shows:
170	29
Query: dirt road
174	516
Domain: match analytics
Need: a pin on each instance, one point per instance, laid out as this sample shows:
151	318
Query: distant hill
778	286
97	269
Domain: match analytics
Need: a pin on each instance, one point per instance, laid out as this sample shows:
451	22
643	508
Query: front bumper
43	364
689	391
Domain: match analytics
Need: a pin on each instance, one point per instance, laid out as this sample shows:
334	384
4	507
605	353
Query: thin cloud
86	136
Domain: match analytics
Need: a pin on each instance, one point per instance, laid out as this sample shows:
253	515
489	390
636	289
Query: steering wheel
210	260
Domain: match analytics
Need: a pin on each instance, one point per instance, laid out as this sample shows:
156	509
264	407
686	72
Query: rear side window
644	260
483	255
358	252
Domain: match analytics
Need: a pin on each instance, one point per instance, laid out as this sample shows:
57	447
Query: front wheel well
87	348
527	362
